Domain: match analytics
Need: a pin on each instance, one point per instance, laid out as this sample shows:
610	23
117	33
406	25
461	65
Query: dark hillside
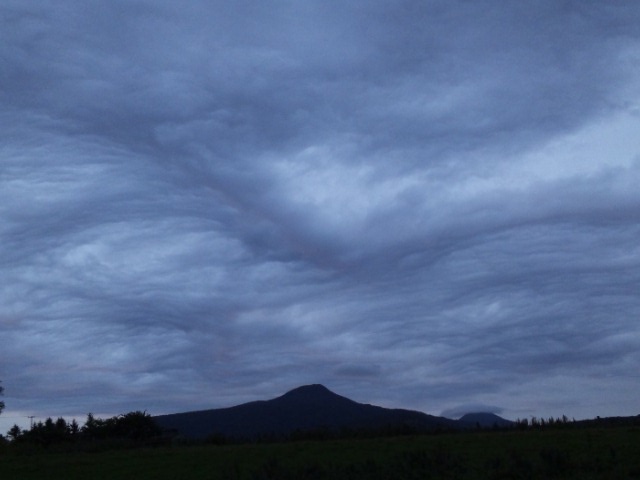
306	408
485	420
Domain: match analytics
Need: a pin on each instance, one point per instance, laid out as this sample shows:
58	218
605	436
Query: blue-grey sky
423	204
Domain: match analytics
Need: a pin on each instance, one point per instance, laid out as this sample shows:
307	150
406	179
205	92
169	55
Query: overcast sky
423	204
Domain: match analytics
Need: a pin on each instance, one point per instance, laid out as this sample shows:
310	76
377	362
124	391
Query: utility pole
31	417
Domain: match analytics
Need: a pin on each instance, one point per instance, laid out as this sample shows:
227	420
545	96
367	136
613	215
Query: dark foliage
130	429
565	453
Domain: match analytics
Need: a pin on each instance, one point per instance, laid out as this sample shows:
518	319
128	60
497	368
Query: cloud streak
424	204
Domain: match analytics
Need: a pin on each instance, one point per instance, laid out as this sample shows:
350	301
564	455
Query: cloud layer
418	204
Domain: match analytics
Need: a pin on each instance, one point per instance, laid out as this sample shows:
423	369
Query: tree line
535	422
133	428
130	429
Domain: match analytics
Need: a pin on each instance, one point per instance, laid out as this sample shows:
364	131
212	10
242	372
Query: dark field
581	453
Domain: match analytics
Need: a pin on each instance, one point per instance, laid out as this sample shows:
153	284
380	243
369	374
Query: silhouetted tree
93	427
45	433
14	432
1	403
131	429
74	428
136	426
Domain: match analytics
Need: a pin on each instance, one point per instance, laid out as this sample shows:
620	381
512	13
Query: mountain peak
315	389
312	396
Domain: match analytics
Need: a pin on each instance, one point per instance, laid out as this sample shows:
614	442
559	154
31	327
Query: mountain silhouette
484	420
304	409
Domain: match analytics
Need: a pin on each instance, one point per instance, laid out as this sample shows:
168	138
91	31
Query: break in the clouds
417	204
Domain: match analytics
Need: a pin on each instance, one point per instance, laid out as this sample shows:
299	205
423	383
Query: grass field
606	453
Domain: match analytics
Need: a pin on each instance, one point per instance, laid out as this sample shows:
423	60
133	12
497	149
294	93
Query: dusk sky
431	205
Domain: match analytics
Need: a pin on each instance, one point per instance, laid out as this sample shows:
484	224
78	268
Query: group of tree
541	422
132	428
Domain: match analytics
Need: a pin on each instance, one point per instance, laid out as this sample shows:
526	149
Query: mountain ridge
306	408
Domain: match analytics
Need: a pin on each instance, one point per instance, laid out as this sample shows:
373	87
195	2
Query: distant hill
484	420
304	409
633	421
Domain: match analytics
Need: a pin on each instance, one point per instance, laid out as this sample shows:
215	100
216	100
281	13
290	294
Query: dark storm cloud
420	204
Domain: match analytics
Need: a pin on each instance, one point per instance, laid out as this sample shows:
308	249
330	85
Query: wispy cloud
424	204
